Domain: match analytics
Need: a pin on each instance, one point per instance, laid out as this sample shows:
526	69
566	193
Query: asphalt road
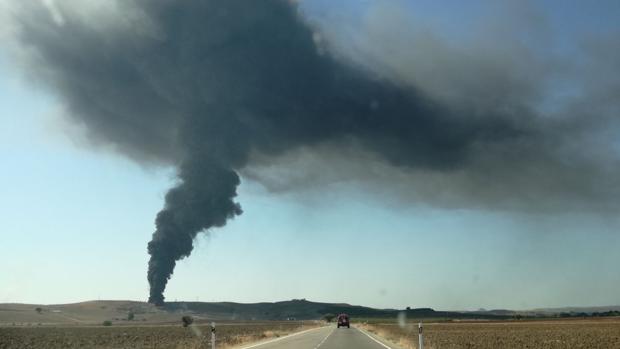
324	338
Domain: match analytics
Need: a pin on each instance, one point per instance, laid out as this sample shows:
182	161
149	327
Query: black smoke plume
203	199
212	85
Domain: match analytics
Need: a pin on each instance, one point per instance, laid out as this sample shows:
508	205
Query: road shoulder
385	343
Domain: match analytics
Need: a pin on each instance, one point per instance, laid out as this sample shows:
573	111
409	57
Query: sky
76	216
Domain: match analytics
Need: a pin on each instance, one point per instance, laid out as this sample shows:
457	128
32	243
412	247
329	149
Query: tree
130	316
38	310
329	317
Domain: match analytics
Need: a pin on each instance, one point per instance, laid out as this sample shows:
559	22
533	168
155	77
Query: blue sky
76	220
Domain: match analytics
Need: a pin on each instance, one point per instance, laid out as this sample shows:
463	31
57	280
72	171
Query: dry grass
142	337
596	333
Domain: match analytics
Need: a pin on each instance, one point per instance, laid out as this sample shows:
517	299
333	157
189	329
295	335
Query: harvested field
139	337
591	334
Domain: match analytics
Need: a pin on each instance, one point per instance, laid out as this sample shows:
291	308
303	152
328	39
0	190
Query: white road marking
324	339
281	338
373	338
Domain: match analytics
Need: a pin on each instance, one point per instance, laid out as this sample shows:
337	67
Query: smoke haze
223	87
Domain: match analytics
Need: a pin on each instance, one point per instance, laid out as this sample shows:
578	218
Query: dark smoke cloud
215	87
203	200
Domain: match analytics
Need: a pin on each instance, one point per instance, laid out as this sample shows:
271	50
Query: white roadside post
213	335
420	336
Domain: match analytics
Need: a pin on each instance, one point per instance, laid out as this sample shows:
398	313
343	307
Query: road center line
281	338
324	339
373	338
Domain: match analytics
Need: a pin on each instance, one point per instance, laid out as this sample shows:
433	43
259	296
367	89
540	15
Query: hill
95	312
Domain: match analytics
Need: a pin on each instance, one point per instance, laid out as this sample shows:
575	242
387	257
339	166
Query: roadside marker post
420	336
213	335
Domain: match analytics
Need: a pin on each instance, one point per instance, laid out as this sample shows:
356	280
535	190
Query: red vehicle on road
343	320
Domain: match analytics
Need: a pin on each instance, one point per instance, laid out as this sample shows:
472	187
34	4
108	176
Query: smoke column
264	84
216	86
272	90
202	200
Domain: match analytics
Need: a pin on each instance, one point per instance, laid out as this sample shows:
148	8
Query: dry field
142	337
591	334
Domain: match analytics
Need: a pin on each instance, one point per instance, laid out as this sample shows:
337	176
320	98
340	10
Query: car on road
343	320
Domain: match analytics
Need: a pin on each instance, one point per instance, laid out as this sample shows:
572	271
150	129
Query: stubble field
143	337
591	334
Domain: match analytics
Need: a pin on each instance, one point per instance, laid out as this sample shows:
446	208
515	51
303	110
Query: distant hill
94	312
299	309
587	310
302	309
90	312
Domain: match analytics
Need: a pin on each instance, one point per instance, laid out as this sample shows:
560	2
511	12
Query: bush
329	317
130	316
187	320
107	323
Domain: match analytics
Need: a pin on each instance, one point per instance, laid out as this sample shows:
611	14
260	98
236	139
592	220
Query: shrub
187	320
107	323
329	317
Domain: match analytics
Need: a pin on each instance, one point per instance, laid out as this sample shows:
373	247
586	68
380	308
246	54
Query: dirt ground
142	336
587	333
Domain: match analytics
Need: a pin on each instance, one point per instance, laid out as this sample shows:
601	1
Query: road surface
325	338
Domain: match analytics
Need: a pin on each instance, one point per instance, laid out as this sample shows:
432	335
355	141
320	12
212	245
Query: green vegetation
107	323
